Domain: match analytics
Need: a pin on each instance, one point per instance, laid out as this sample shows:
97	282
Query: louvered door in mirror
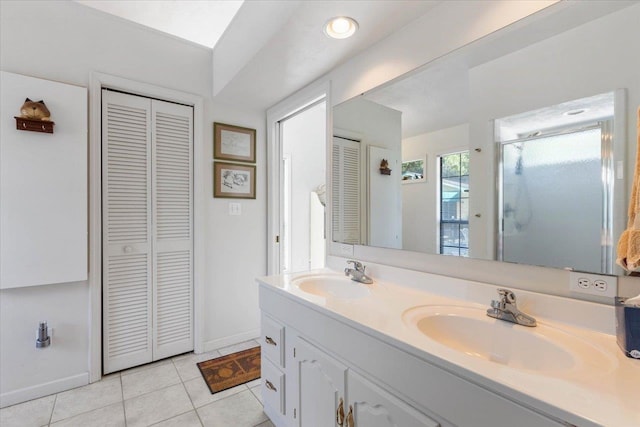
147	204
346	191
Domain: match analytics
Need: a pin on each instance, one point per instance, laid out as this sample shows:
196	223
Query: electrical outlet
600	285
584	283
593	284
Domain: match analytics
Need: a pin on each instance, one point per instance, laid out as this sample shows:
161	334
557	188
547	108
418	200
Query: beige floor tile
34	413
254	383
267	423
84	399
239	410
109	416
238	347
149	380
201	395
145	367
190	419
257	392
187	366
157	406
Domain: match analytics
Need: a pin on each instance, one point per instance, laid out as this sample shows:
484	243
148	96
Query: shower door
555	200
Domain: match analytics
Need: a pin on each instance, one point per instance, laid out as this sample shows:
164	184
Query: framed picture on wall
234	143
414	171
234	181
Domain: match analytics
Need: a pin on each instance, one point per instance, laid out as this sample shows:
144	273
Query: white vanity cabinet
273	376
321	379
333	367
332	394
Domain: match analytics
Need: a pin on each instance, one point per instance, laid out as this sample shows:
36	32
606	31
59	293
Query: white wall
304	139
420	200
375	126
66	42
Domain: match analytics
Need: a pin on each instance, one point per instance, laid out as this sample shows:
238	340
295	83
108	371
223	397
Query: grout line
53	407
188	395
83	412
124	411
170	418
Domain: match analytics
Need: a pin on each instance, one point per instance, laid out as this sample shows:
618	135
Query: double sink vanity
417	349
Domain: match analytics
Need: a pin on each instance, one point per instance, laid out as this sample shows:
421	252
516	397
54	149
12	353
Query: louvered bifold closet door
346	191
173	228
126	235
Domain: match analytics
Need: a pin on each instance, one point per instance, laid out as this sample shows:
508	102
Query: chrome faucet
357	272
506	309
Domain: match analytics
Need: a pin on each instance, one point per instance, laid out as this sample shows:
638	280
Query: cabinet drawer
272	341
272	386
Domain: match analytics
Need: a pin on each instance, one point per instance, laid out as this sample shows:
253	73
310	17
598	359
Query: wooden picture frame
234	143
234	181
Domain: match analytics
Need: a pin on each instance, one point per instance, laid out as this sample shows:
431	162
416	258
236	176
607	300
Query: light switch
235	209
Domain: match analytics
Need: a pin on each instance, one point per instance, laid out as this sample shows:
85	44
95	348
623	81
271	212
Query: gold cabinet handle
340	413
270	385
350	421
269	340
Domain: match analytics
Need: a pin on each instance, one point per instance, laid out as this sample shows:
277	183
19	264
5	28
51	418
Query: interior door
172	190
147	230
346	191
126	231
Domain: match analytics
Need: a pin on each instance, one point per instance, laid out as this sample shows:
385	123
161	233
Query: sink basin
331	286
470	331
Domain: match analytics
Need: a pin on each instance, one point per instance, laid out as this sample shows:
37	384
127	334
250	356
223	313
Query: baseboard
41	390
231	340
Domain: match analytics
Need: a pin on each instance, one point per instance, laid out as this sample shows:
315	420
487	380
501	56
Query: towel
629	243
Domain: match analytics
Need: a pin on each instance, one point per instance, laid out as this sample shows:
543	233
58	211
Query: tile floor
167	393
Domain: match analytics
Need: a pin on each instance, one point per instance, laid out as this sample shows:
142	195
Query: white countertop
605	393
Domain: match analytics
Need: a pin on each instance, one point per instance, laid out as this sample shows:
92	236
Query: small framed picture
414	171
234	181
234	143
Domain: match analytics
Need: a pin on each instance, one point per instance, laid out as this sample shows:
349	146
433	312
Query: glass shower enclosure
555	192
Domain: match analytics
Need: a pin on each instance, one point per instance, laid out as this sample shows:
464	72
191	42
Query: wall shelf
34	125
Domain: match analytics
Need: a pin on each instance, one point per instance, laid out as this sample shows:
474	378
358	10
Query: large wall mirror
519	147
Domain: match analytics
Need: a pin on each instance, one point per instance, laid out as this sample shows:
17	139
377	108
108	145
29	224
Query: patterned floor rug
231	370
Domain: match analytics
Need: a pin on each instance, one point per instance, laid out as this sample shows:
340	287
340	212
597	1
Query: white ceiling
300	52
199	21
264	50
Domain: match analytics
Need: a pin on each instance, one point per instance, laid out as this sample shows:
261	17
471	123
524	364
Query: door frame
275	114
97	82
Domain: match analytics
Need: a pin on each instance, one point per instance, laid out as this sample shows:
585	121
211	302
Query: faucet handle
507	296
357	265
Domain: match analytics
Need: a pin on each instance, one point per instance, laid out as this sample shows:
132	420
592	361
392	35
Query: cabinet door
321	382
374	407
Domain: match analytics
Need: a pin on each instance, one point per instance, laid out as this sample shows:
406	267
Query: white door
346	191
371	406
322	387
147	230
172	190
126	231
300	170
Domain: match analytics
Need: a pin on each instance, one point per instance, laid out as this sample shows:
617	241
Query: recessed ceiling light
575	112
340	27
